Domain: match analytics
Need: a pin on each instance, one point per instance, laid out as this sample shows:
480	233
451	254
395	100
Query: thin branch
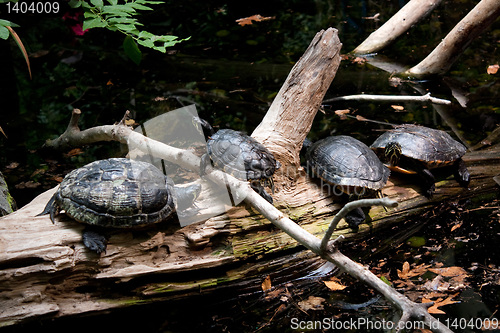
346	209
389	98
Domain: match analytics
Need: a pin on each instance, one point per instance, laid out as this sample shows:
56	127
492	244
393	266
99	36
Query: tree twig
389	98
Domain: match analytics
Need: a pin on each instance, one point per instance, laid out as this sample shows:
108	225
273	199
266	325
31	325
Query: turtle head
205	127
393	153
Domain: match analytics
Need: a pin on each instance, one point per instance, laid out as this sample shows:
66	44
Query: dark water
232	74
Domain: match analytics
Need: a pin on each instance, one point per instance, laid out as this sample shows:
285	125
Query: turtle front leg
355	217
204	162
94	241
257	187
460	172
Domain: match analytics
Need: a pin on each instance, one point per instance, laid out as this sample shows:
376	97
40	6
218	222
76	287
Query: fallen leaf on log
256	18
312	303
266	285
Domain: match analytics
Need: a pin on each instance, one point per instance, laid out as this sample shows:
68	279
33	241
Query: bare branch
389	98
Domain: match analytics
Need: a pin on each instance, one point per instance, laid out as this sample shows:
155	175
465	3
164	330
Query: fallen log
45	270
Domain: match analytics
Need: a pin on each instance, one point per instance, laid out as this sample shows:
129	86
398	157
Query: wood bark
410	14
440	60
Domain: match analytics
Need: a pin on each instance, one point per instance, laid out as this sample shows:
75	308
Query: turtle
239	155
415	149
349	165
117	193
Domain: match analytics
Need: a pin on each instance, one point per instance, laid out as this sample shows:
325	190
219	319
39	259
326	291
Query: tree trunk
440	60
404	19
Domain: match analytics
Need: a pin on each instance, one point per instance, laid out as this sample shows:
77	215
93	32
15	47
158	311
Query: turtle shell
241	155
433	147
116	192
343	160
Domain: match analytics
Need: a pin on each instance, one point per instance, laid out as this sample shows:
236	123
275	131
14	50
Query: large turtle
417	149
240	156
117	193
349	165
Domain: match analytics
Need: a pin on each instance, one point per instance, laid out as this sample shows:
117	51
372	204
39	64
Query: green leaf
147	43
4	32
123	20
97	3
126	27
119	10
139	6
75	3
5	23
145	35
94	23
113	2
132	50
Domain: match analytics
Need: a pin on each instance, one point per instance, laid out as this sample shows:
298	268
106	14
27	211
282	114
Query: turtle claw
94	241
51	208
461	173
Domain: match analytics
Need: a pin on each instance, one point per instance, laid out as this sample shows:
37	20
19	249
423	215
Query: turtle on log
414	149
239	155
117	193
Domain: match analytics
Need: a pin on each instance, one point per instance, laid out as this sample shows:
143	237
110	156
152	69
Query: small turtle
240	156
348	164
414	149
117	193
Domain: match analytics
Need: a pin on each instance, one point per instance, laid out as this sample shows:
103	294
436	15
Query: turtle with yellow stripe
414	149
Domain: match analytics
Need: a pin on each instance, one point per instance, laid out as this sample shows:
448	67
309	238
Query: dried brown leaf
403	274
456	226
334	284
312	303
398	107
249	20
449	271
438	303
266	285
342	113
493	69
